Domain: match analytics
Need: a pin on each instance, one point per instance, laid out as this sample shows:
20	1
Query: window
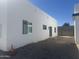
55	29
27	27
44	27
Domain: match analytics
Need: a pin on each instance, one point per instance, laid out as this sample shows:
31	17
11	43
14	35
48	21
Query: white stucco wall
76	8
76	24
3	25
19	10
77	31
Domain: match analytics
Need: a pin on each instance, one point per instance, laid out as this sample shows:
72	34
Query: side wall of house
20	10
3	25
76	23
76	30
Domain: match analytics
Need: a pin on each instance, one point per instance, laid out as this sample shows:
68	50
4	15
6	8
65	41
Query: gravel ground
51	48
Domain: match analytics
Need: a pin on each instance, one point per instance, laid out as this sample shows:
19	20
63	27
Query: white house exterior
22	23
76	23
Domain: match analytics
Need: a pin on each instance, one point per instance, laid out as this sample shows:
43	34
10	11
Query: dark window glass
55	29
30	23
25	27
44	27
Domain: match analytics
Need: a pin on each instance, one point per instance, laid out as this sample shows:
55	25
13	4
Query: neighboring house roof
76	14
76	10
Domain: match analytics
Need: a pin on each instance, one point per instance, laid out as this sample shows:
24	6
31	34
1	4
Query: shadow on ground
52	48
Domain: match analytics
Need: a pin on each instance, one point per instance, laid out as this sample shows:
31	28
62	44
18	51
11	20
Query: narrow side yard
62	47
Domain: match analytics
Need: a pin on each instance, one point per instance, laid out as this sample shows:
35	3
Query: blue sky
61	10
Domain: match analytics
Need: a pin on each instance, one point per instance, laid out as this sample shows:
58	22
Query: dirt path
51	48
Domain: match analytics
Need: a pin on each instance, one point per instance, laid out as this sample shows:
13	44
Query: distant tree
66	30
66	25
